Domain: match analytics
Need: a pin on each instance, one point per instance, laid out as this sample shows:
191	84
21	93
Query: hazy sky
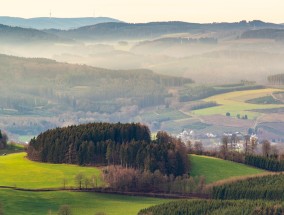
150	10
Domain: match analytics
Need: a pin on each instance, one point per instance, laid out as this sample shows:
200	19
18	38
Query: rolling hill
43	89
34	175
124	31
214	169
53	22
274	34
20	35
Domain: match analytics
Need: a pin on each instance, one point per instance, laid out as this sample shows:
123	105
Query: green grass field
44	203
16	170
163	115
215	169
235	103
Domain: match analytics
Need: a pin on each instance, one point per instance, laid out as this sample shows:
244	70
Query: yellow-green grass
234	103
43	203
17	170
214	169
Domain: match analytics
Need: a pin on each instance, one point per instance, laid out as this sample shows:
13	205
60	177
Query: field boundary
110	191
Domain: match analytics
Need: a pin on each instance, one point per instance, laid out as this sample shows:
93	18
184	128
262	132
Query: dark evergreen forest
216	207
128	145
269	187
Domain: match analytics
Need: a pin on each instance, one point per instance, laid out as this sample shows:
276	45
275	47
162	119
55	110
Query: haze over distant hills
58	23
212	53
17	35
109	29
121	31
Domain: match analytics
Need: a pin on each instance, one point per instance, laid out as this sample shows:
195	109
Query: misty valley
152	118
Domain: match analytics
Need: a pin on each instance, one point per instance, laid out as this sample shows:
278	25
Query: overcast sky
150	10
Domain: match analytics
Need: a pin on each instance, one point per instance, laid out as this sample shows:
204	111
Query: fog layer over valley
230	51
155	73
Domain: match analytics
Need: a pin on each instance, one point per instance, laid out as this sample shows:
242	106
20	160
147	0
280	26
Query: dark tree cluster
269	187
276	34
128	145
276	79
267	163
203	105
189	207
3	140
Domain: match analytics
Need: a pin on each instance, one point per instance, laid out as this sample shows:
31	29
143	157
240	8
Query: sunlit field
17	171
235	103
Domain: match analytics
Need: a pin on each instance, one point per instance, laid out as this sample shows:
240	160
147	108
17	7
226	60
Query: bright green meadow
44	203
16	170
215	169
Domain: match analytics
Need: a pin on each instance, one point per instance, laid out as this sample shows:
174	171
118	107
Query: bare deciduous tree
79	179
266	148
198	147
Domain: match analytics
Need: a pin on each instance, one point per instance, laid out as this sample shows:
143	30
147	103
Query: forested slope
187	207
77	87
269	187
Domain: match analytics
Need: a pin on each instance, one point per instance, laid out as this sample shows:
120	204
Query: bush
64	210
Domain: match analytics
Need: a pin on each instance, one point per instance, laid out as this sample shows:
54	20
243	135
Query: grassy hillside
215	169
42	203
16	170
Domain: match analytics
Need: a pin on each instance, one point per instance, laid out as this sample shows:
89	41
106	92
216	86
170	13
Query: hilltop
53	22
19	35
119	30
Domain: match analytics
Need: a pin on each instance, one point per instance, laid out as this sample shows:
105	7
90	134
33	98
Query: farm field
178	125
235	103
215	169
163	115
42	203
16	170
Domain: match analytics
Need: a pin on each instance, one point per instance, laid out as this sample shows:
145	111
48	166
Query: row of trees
266	163
276	79
261	155
269	187
129	179
128	145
